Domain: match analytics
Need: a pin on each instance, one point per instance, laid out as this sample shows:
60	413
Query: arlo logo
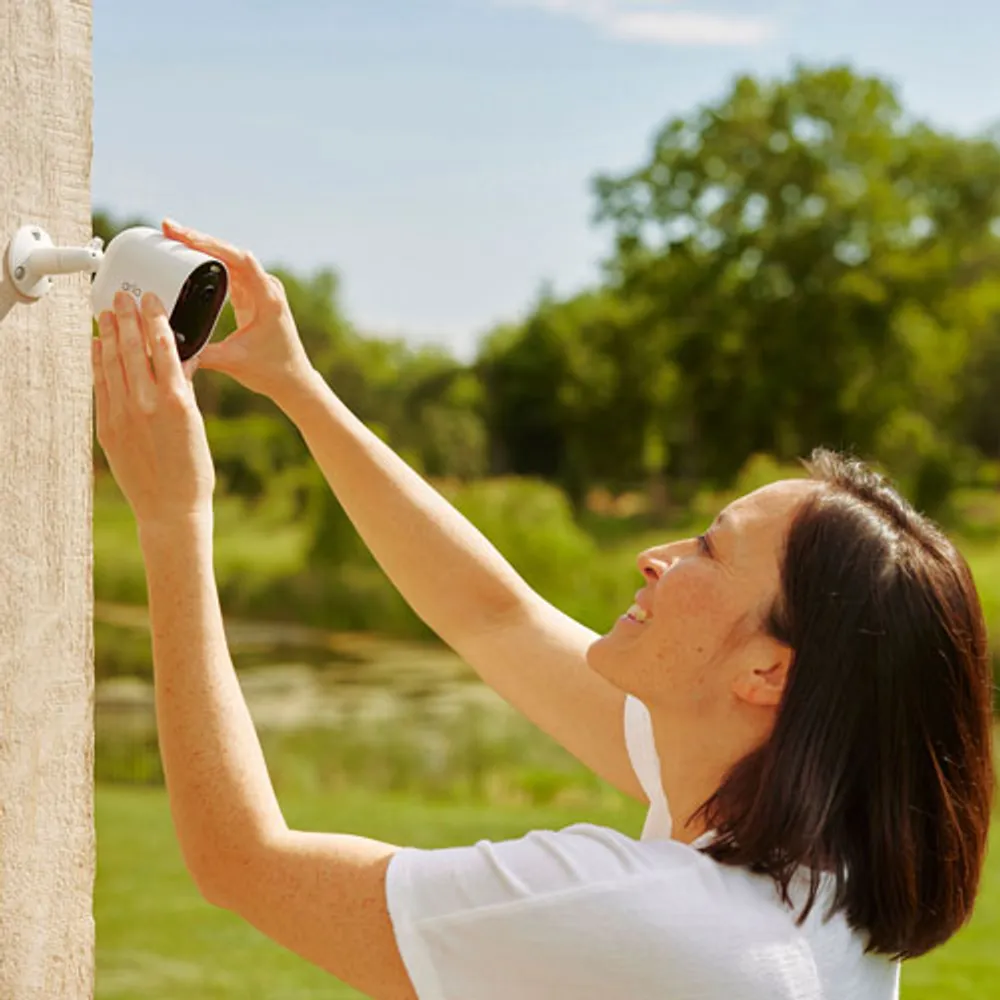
132	289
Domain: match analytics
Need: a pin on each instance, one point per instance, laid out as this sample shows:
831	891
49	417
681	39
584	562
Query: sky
438	154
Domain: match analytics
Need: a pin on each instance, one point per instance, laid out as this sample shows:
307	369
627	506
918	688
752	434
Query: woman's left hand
148	421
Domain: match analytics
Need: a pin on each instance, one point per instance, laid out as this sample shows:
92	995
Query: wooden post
46	599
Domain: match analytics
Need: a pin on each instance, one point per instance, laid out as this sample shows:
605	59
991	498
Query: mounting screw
19	273
36	233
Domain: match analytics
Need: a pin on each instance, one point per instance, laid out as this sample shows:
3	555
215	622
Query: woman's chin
604	654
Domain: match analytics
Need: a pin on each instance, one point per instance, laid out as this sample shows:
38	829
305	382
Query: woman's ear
762	681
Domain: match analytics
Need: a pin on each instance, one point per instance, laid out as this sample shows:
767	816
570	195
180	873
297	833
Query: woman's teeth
636	614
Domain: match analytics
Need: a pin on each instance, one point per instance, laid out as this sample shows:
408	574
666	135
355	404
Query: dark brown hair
879	769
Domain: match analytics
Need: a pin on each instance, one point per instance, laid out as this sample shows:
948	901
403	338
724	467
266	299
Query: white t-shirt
587	913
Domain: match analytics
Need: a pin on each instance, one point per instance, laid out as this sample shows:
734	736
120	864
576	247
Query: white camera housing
192	286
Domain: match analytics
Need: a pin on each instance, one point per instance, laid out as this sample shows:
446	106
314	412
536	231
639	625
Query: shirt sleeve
646	764
506	919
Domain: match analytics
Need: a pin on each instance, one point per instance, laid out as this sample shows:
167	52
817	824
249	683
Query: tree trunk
46	600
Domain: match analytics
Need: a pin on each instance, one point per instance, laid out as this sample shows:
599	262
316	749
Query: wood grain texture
46	599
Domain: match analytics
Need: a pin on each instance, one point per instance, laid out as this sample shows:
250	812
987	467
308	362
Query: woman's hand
265	353
148	421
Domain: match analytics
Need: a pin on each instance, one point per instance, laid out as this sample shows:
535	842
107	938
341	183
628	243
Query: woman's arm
324	897
459	584
320	895
527	650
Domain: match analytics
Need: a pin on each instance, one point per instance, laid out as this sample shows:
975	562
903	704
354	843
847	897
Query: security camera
191	285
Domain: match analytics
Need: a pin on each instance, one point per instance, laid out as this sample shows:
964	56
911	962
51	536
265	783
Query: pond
292	676
331	706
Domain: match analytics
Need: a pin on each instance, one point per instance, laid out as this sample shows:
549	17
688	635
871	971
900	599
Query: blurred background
595	268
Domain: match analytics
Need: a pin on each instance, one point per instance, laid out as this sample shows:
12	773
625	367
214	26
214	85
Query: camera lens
197	308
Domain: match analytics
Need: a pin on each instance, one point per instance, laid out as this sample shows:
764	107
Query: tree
794	251
574	394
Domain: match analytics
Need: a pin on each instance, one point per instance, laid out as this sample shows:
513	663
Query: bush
532	525
758	470
922	465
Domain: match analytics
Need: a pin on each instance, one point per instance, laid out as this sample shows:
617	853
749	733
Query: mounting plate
26	240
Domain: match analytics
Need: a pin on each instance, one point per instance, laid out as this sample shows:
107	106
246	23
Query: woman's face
694	637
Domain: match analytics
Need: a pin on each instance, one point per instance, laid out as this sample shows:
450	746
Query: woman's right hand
265	353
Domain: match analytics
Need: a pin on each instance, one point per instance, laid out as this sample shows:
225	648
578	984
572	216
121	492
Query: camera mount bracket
32	259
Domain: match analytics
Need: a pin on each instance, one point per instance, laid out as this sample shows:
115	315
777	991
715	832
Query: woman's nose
653	564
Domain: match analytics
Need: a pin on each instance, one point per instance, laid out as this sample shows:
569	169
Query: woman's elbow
217	876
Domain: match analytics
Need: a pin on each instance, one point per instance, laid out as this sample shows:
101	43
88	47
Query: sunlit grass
158	940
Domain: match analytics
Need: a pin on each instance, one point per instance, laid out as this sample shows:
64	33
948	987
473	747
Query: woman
806	684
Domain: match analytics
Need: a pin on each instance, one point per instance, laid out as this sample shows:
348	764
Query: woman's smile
636	614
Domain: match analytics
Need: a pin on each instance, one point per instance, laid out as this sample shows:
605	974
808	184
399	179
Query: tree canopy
798	263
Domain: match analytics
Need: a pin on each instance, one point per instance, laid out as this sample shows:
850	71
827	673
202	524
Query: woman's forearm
450	574
221	797
528	651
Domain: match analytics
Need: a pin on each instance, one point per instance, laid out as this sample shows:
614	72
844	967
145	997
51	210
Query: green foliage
314	302
798	263
800	251
762	470
532	525
758	470
573	394
252	450
530	522
976	387
921	462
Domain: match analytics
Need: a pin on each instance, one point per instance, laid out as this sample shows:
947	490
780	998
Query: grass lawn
157	940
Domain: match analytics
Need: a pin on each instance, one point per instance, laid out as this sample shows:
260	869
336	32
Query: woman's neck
694	760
